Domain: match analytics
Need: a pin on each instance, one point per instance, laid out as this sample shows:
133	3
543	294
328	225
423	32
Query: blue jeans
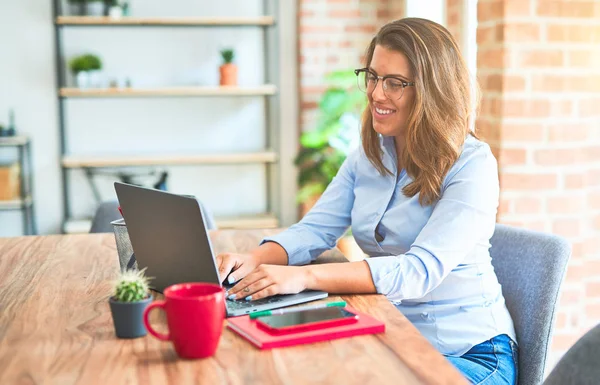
491	362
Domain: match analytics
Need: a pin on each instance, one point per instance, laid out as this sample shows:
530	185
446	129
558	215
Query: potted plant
337	131
114	10
86	69
86	7
324	149
228	69
76	7
94	7
127	305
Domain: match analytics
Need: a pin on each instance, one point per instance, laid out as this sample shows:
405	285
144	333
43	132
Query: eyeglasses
393	87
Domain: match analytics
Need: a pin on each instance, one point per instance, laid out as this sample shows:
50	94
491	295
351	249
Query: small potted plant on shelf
94	7
114	9
86	69
127	305
76	7
228	69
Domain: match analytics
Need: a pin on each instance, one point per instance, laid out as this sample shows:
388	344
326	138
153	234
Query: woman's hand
236	266
268	280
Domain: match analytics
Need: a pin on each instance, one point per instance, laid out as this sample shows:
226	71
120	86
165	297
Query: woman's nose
378	93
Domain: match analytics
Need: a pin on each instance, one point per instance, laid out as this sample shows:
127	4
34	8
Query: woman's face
390	116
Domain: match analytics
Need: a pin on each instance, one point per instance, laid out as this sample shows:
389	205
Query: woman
421	196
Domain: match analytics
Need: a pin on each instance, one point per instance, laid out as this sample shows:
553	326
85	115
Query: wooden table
56	328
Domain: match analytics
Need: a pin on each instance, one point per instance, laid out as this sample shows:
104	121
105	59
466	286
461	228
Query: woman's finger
248	293
254	276
268	291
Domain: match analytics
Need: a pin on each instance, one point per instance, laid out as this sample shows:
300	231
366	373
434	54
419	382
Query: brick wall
333	35
539	70
455	18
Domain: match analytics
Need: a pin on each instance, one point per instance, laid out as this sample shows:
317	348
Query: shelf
80	161
156	21
262	221
6	141
15	203
264	90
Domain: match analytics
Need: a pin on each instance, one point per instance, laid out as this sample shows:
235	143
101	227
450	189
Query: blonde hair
438	123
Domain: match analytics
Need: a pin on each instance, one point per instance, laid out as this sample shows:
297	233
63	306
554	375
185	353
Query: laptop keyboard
243	304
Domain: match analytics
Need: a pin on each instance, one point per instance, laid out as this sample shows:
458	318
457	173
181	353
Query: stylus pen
296	309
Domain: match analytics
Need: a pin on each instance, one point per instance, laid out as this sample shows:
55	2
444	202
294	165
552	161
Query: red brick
592	153
527	181
575	83
512	156
589	107
573	33
345	44
541	58
344	13
563	342
577	249
592	269
583	58
575	273
561	320
486	35
525	108
566	227
517	8
564	204
528	205
493	58
306	29
559	157
568	132
361	28
570	296
596	222
519	32
522	132
593	177
565	9
308	105
505	206
594	201
561	108
489	10
591	246
592	310
575	181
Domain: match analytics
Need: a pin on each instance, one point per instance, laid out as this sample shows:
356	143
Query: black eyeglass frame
404	83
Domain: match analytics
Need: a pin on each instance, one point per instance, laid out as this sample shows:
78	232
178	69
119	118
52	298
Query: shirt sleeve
464	216
328	220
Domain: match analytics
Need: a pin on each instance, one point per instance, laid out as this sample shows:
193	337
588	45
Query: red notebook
262	339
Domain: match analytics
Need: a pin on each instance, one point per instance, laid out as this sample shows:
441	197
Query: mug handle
160	336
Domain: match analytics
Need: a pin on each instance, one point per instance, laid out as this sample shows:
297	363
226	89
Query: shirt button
425	315
488	303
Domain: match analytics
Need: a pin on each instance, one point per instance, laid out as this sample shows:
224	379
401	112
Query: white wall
150	56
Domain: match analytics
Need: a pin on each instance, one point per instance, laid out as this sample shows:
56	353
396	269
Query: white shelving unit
279	24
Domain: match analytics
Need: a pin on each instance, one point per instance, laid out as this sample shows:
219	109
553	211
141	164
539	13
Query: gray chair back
580	364
109	211
530	267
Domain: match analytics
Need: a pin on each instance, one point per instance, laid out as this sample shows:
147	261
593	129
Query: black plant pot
128	317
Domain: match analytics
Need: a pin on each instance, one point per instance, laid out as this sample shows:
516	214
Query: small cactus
228	55
131	286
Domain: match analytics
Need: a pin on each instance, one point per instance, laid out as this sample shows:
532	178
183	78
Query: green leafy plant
337	131
87	62
132	286
227	55
84	1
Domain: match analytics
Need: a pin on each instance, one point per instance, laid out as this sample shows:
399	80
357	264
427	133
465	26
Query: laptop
169	239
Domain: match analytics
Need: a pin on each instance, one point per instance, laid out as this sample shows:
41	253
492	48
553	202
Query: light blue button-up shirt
432	262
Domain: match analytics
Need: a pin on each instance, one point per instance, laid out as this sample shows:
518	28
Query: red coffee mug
195	315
